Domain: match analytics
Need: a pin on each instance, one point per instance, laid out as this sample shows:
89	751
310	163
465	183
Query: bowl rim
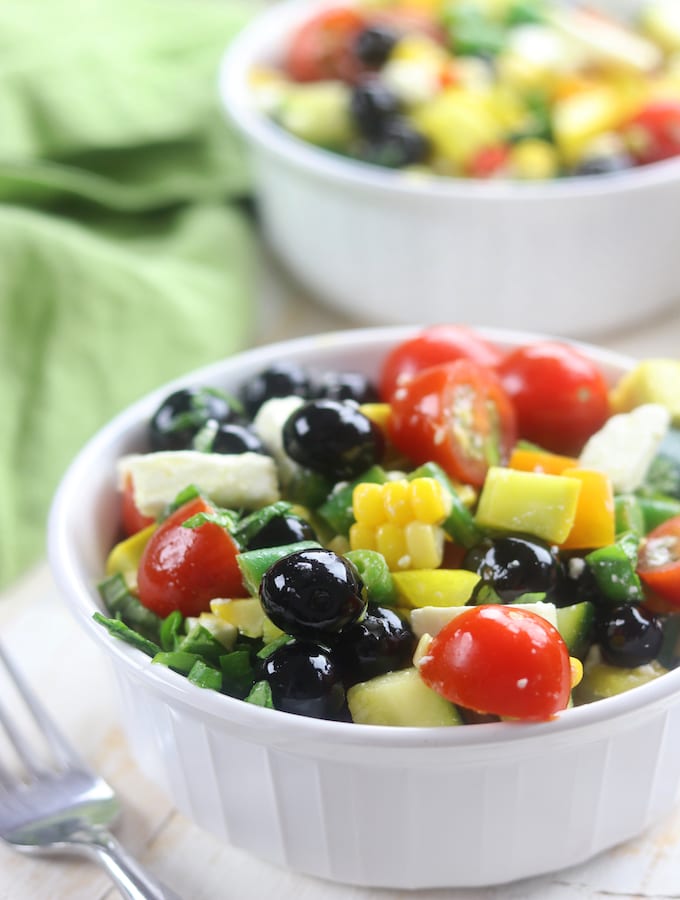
82	600
234	93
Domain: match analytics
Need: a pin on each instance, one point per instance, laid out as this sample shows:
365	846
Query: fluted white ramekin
574	256
367	805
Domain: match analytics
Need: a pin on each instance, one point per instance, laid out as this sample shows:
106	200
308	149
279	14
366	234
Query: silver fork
63	807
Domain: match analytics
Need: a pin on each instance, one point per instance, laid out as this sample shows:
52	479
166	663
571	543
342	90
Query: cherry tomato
132	519
560	396
504	660
456	414
489	161
659	561
323	47
654	133
185	568
434	345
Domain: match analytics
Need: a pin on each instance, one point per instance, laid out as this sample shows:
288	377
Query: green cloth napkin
126	258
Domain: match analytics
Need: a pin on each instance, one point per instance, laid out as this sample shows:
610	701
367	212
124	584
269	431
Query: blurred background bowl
579	256
371	805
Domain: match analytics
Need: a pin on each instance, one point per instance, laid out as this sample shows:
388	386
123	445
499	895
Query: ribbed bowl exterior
417	818
576	256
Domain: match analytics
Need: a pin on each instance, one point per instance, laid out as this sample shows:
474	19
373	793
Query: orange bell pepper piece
540	461
594	524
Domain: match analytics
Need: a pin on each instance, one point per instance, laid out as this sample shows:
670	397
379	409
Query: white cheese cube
431	619
234	481
268	423
626	445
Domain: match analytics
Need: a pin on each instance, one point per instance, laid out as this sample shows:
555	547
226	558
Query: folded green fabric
125	256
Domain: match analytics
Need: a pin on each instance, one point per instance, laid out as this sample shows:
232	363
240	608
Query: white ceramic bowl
577	257
368	805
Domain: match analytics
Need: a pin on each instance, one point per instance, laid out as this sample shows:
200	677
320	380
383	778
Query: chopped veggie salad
524	89
480	535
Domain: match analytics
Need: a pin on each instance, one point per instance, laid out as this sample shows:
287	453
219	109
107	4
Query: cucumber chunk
400	698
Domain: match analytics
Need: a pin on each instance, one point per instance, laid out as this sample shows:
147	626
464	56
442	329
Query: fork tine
60	748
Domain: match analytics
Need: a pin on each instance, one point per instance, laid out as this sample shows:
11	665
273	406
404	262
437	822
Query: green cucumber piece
601	680
575	624
400	698
254	563
628	514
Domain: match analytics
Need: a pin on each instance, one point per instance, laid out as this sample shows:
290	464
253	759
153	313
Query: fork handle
131	879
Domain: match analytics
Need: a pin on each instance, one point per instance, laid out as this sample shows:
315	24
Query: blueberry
282	379
512	566
282	530
332	438
374	44
346	386
373	106
304	680
397	146
312	593
235	437
184	413
629	636
381	642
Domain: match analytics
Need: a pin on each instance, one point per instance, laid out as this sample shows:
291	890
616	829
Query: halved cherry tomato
456	414
132	519
185	568
430	347
560	396
323	46
499	659
654	133
659	561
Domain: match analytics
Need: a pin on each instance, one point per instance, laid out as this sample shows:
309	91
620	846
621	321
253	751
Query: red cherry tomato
503	660
654	133
560	396
185	568
659	561
489	161
132	519
322	48
456	414
434	345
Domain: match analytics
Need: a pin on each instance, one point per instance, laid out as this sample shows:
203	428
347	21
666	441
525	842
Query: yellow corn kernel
425	545
390	540
576	670
362	537
368	505
429	500
396	498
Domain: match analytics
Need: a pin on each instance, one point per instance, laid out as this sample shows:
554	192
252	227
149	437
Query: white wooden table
76	685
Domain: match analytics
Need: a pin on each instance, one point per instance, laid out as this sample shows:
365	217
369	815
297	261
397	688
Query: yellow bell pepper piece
594	525
435	587
459	124
125	556
581	117
245	614
528	502
651	381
